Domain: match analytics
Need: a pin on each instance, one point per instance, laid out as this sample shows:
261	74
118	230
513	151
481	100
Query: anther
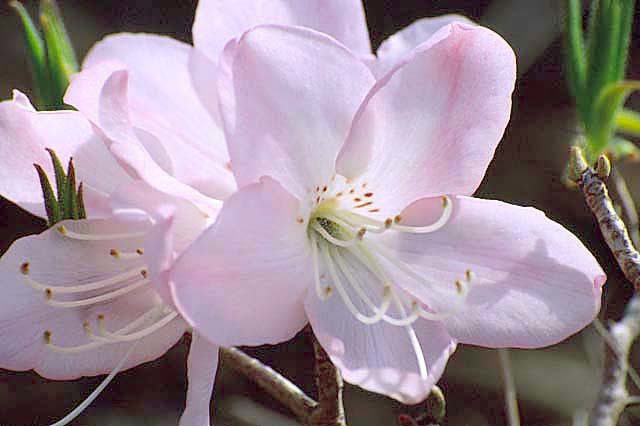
469	275
114	253
357	200
351	191
445	202
48	294
459	286
361	233
324	188
328	291
62	230
47	337
140	251
300	220
24	268
144	273
368	194
397	219
388	222
100	317
339	194
374	210
368	203
86	327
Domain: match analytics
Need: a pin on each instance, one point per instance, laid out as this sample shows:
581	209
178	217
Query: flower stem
276	385
510	396
330	409
613	394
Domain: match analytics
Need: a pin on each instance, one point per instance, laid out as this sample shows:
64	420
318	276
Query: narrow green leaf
605	110
622	149
60	176
82	212
604	37
50	203
70	204
576	60
628	121
60	54
37	56
627	8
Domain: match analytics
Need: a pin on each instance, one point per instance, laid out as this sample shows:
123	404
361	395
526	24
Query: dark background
553	384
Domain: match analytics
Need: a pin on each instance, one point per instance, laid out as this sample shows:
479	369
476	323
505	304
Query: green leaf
576	60
627	8
82	212
61	57
54	215
628	121
602	53
37	56
60	176
605	110
622	149
70	203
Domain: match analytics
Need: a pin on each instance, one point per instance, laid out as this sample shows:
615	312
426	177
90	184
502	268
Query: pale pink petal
398	45
202	365
204	73
243	280
176	224
287	103
431	126
380	357
161	101
218	21
535	283
24	135
130	147
53	259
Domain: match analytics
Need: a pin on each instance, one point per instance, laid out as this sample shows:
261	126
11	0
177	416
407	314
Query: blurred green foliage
596	64
51	54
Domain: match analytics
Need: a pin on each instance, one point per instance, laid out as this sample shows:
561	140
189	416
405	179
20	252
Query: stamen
115	337
84	404
97	237
126	255
322	293
96	285
328	256
342	243
447	206
97	299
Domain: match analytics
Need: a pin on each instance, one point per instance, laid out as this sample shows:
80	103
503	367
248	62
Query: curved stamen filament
415	342
152	313
97	237
97	391
327	236
96	285
322	293
447	210
97	299
126	255
384	307
115	337
328	257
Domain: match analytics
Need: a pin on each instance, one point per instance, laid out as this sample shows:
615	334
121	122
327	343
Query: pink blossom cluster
274	174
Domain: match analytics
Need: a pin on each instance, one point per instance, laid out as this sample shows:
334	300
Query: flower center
348	260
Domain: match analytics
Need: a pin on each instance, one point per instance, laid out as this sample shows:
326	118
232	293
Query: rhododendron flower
354	212
89	297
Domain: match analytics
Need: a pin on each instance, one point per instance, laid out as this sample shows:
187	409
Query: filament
97	391
97	237
114	337
96	285
97	299
341	243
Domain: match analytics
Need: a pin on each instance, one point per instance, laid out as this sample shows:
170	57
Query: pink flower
89	297
354	212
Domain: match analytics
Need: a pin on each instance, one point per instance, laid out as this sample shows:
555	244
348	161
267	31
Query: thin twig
510	395
620	192
276	385
613	394
330	409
